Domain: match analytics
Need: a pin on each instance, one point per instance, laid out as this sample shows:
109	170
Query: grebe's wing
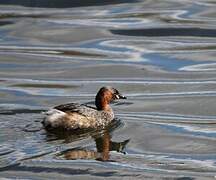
75	107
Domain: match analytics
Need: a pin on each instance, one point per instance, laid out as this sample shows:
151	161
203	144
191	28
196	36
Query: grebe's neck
102	103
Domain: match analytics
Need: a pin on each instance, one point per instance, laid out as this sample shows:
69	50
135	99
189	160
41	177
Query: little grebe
80	116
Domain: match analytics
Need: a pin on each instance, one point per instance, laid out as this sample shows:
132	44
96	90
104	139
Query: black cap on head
106	95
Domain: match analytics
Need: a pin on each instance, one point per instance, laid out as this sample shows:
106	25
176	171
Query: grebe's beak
119	96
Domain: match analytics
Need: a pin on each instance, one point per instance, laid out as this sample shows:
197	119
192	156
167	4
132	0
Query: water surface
160	54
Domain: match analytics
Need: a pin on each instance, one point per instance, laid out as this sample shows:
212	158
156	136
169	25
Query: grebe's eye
117	96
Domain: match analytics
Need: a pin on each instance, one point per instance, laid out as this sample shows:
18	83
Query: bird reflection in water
103	142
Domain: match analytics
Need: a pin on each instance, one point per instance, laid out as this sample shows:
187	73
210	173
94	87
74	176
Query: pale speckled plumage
80	116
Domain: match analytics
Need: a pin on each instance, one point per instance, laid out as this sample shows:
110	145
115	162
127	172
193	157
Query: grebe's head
105	95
